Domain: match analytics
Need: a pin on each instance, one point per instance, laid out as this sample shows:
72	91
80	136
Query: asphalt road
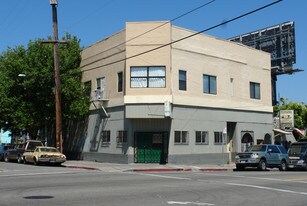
31	185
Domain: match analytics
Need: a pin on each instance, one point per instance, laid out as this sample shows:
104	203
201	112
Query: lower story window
181	137
201	137
105	137
121	137
218	138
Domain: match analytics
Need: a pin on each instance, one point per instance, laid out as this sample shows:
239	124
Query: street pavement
149	167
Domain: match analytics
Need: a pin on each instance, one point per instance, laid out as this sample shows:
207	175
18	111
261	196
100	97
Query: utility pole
58	110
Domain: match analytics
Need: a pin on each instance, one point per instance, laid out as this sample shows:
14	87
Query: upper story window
209	84
182	80
101	88
87	88
120	81
148	77
254	90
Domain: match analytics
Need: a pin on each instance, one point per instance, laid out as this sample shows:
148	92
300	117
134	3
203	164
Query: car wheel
19	159
35	162
240	167
283	166
24	160
262	165
6	158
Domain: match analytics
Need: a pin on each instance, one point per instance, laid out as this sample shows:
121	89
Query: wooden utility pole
58	110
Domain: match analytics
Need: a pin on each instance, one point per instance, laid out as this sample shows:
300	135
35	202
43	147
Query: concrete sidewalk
150	167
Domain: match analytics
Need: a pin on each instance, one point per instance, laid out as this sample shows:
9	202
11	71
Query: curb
82	167
161	170
215	170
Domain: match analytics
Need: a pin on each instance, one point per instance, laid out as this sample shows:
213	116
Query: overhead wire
174	19
189	36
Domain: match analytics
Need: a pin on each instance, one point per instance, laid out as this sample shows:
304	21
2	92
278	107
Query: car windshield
298	149
49	150
258	148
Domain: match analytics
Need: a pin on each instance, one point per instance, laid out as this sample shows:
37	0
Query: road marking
168	177
268	188
188	203
297	179
33	174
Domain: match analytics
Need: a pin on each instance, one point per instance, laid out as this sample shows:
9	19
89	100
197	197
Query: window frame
181	137
182	82
121	137
206	142
148	77
254	90
208	86
219	138
105	138
120	82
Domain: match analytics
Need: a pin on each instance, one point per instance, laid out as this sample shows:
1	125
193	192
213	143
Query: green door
149	147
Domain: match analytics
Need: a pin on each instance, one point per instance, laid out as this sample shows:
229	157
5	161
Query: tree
28	102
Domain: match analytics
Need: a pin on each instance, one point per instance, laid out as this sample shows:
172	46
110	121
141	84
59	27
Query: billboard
278	40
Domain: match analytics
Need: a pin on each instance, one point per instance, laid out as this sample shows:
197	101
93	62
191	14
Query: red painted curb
213	170
162	170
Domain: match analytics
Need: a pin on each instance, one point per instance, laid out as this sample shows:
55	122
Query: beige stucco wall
98	61
197	55
204	54
153	35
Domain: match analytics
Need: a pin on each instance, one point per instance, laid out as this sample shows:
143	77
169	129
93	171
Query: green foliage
29	102
300	112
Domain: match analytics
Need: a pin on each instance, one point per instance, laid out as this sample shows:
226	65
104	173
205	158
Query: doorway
247	141
151	147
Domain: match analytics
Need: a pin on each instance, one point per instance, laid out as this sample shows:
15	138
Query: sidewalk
150	167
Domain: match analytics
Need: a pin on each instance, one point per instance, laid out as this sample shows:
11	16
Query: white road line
168	177
259	178
188	203
267	188
33	174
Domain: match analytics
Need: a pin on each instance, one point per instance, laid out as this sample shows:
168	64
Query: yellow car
47	155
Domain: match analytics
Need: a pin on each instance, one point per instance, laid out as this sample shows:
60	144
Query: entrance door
150	147
247	141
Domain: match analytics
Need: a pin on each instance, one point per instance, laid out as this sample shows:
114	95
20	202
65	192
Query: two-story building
163	94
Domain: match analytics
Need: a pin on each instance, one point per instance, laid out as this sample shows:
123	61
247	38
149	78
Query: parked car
15	154
3	149
298	155
47	155
263	156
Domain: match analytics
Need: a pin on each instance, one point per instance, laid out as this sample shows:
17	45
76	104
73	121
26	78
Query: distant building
174	104
5	137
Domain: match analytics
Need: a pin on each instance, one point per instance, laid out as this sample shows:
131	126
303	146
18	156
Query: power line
199	7
189	36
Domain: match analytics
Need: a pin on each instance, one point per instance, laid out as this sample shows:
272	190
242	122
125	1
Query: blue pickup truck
263	156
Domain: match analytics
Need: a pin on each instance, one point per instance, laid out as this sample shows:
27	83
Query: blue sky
93	20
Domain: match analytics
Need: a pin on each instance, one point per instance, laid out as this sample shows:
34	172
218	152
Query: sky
94	20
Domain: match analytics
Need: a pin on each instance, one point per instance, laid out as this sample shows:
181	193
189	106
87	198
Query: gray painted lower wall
111	158
183	118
